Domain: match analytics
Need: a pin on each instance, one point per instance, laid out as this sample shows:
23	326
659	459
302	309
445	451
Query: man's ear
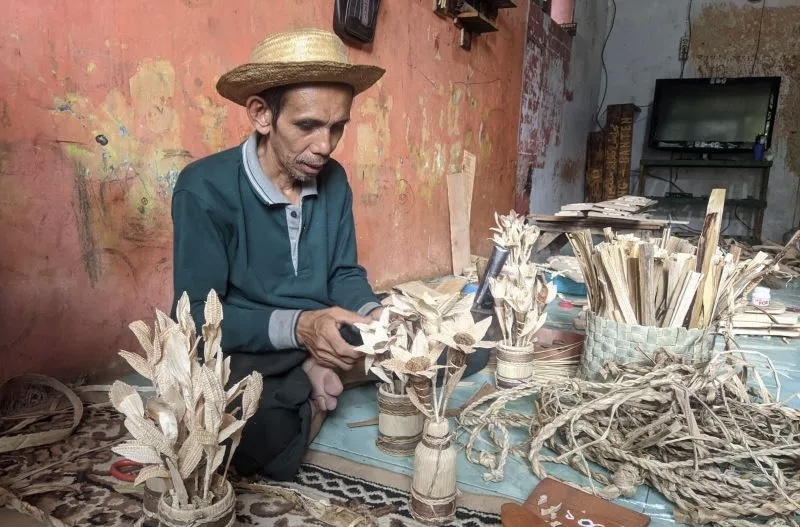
259	114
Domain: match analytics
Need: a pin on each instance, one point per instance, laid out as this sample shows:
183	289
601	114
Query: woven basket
433	484
609	341
221	513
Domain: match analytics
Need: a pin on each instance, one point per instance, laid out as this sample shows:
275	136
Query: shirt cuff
282	325
366	308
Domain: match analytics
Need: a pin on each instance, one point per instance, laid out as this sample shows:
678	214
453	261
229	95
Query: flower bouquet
192	426
403	349
520	298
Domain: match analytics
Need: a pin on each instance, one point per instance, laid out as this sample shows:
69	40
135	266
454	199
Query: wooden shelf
475	22
707	163
747	203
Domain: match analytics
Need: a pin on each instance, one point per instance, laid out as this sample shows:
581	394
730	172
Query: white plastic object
761	296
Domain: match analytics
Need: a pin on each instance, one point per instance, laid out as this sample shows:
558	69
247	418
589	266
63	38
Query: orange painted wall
86	234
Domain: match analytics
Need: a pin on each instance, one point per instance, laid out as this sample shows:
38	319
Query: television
720	114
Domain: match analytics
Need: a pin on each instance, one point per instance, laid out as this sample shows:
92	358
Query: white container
761	296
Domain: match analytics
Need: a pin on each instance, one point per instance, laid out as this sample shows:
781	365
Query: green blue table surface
358	444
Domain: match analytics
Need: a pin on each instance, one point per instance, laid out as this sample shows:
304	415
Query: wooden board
577	505
459	222
468	167
706	248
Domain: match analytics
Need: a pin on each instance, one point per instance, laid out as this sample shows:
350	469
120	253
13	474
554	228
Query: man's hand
318	331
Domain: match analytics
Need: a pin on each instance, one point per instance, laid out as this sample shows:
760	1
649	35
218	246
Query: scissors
125	470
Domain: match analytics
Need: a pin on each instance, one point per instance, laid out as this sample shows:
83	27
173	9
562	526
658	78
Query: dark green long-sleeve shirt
234	232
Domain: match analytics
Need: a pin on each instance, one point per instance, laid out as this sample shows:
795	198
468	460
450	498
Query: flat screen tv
713	114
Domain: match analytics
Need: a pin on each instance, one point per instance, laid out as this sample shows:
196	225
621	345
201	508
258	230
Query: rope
721	450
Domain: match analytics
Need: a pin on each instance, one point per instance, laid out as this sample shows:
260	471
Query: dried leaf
229	430
150	472
142	333
216	461
252	395
183	313
136	451
149	434
189	456
126	399
176	356
138	363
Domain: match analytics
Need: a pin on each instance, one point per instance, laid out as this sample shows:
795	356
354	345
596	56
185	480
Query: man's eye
305	126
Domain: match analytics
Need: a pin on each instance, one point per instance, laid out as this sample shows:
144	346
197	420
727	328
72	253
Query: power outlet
683	51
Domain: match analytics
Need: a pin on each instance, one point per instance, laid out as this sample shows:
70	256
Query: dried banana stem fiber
661	282
722	451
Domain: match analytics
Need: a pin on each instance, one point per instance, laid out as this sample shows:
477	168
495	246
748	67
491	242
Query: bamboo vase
433	486
220	513
399	423
514	365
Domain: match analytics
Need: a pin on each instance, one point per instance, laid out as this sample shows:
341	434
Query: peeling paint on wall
100	117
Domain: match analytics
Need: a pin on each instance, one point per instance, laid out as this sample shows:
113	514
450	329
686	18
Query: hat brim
252	78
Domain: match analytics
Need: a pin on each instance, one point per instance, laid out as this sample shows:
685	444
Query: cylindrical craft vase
221	513
399	423
514	365
433	485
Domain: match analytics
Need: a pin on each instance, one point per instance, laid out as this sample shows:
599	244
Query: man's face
308	128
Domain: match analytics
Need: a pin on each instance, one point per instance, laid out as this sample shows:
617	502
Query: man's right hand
318	331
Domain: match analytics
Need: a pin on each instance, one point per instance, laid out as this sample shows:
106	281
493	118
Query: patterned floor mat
69	481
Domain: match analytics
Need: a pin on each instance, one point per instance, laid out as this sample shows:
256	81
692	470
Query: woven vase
514	365
610	341
399	423
221	513
433	485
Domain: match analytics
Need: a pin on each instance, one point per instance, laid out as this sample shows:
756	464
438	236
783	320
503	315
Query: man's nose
322	143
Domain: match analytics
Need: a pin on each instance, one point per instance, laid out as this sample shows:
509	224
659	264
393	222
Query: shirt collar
263	186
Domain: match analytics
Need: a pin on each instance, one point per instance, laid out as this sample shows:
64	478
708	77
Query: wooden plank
611	153
706	248
627	114
459	222
594	166
468	166
647	313
452	285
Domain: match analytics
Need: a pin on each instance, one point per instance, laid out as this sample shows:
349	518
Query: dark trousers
275	438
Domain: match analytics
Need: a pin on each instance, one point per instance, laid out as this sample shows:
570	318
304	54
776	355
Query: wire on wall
758	41
688	35
605	68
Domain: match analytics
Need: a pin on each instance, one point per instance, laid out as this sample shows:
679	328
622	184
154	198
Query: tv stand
759	204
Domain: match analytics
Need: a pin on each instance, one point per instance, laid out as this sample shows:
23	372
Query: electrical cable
758	41
605	68
689	31
665	180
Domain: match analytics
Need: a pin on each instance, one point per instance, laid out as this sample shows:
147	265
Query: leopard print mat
70	481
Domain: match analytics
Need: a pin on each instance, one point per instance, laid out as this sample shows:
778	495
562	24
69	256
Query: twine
722	451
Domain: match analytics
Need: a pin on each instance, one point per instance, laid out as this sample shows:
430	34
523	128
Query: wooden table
554	228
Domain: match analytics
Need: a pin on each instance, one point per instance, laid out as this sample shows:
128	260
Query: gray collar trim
264	188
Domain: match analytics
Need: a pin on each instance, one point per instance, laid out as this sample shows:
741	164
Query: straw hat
293	57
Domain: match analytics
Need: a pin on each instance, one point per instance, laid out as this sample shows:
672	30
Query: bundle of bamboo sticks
668	282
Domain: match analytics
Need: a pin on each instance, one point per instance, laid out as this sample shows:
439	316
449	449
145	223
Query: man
269	226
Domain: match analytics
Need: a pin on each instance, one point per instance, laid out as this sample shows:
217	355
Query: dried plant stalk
722	451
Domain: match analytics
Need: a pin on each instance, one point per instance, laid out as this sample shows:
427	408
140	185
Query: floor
12	518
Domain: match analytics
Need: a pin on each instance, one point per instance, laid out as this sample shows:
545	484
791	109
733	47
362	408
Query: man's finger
343	316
